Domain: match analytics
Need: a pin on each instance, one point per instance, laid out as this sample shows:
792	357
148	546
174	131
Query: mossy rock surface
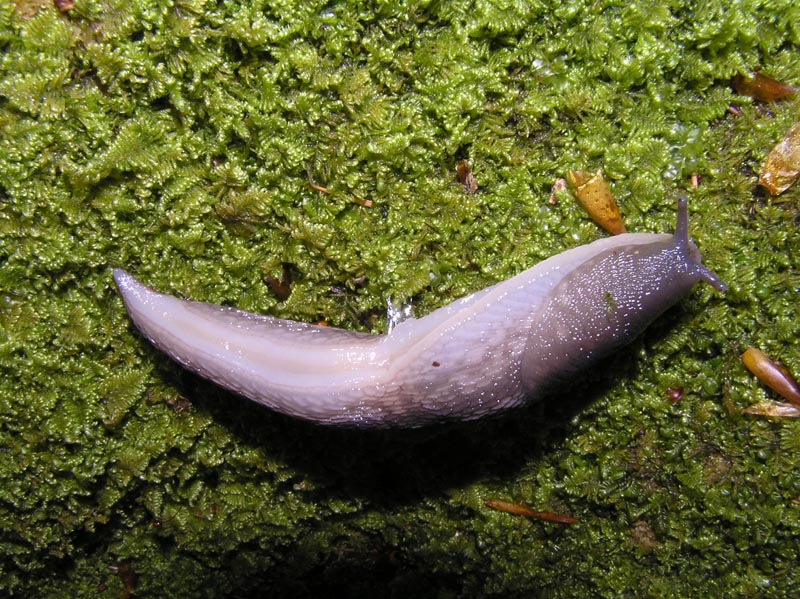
211	147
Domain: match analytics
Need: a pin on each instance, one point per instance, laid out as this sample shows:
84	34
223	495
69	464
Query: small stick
524	510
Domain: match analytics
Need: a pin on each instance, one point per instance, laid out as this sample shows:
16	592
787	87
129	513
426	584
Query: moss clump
179	139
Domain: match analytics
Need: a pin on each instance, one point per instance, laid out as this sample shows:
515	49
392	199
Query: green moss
179	139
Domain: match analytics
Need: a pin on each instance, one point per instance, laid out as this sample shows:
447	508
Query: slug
482	354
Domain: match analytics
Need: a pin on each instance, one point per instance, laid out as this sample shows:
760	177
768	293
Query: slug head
647	279
608	300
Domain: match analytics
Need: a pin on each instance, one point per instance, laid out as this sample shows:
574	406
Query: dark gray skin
479	355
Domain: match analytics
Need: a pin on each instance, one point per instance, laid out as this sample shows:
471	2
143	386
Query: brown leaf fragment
128	577
353	198
318	188
782	166
558	186
282	288
762	88
523	510
594	195
773	409
466	177
772	374
361	202
643	536
674	394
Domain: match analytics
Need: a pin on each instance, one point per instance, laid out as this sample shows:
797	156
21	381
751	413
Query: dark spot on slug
436	364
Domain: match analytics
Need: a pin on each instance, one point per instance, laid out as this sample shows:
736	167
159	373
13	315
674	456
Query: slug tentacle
681	234
685	247
484	353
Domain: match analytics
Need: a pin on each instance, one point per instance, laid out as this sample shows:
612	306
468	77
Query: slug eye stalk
688	249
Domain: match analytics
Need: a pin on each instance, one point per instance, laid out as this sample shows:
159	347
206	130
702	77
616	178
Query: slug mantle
489	351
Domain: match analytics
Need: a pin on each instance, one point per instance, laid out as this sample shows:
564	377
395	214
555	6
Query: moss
179	139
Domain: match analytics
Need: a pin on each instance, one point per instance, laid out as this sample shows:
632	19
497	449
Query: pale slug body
486	352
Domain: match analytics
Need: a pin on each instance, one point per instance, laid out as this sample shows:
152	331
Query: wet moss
182	139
